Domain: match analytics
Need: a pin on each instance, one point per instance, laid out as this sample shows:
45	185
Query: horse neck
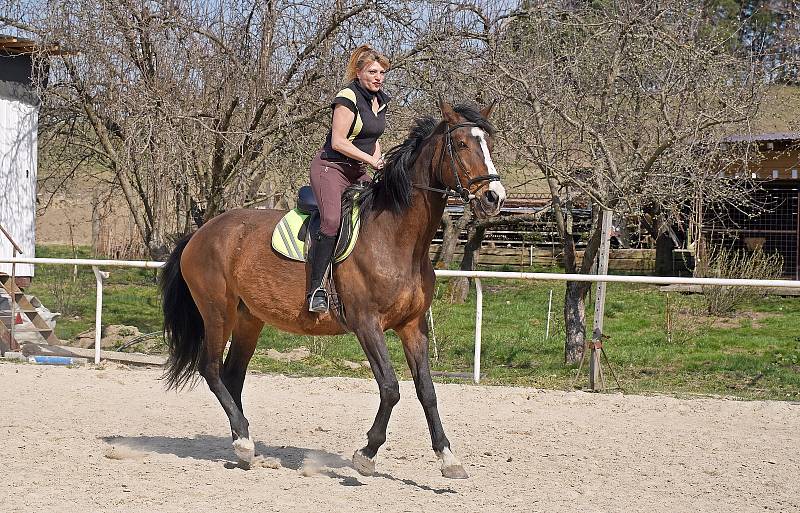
417	225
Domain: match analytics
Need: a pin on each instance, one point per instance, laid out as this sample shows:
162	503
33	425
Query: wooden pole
595	373
478	321
12	343
11	240
98	314
668	317
549	311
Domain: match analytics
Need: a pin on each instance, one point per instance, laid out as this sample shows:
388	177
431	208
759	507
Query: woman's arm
342	119
377	153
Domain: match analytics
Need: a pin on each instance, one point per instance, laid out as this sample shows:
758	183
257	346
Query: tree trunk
575	294
96	225
451	229
159	251
575	320
664	247
459	287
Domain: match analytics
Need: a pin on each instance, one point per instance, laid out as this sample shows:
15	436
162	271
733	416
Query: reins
461	192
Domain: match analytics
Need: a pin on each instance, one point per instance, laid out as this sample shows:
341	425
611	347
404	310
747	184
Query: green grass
130	296
752	356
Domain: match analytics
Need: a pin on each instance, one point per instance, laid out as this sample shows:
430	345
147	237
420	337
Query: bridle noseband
459	191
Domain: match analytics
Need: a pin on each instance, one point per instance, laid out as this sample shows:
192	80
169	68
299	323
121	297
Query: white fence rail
477	275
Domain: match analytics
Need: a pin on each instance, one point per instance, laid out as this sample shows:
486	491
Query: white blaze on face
495	185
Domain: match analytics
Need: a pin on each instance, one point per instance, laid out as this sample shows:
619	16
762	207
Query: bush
727	263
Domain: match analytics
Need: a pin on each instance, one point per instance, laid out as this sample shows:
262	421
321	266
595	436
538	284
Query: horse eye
462	145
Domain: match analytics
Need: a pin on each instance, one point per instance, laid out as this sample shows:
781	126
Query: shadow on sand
217	448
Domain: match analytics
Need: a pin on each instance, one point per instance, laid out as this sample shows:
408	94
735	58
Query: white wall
19	117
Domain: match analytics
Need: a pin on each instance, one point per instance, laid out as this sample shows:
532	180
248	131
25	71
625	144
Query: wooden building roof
13	45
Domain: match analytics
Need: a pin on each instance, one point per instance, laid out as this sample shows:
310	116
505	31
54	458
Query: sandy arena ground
112	440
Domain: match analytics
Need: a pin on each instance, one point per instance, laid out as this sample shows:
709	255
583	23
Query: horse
225	281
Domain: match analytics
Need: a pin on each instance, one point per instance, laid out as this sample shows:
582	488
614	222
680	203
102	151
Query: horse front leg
415	345
374	344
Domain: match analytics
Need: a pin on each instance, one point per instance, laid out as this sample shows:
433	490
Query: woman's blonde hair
363	56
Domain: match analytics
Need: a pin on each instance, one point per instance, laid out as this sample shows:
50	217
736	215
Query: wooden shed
19	120
777	228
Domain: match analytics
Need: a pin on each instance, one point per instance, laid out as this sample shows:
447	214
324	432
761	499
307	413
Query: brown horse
225	281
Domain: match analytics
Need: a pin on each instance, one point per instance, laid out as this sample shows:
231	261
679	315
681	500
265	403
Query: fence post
595	373
13	289
99	276
478	320
433	334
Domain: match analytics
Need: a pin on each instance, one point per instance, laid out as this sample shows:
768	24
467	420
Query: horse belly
293	318
279	299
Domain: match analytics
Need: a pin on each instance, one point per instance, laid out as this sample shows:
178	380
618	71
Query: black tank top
367	126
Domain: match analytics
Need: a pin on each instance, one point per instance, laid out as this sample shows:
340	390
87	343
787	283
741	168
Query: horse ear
487	111
448	114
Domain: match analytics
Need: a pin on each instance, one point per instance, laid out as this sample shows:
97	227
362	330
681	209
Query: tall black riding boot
319	256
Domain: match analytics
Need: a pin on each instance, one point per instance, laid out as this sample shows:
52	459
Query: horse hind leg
243	345
219	322
415	345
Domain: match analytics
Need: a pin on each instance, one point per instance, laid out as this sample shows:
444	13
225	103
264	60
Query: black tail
183	326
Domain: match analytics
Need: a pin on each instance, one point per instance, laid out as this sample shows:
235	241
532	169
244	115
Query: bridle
459	191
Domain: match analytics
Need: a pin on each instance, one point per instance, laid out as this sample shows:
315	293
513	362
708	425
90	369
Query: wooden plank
117	356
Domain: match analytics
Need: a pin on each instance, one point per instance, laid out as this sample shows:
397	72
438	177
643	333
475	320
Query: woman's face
371	76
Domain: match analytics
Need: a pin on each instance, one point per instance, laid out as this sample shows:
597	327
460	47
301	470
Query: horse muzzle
492	200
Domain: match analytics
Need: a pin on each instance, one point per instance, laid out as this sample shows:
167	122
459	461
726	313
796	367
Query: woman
359	119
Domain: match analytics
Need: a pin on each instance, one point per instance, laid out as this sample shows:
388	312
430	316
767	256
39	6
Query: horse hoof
364	465
245	449
454	472
451	467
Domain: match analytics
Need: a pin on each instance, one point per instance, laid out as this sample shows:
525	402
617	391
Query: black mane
391	188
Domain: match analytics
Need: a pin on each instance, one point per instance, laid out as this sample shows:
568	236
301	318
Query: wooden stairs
23	307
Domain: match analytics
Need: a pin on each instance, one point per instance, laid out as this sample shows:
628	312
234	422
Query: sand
112	440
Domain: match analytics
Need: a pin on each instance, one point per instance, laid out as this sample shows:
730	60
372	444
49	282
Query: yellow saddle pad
291	235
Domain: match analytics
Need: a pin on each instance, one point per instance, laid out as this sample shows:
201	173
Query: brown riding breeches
329	180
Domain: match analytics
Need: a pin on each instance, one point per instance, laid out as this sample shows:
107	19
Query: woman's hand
377	163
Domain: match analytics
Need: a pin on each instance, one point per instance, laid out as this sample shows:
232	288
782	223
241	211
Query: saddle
292	235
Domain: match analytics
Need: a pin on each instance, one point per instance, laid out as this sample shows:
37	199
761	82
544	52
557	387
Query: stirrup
318	301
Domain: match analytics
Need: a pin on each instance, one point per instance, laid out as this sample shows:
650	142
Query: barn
19	123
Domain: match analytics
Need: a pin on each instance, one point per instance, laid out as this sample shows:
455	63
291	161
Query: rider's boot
319	256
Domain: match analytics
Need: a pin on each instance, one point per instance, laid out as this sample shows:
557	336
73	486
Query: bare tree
621	105
187	103
197	107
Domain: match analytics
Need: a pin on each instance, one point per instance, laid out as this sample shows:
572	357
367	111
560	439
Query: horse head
465	161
